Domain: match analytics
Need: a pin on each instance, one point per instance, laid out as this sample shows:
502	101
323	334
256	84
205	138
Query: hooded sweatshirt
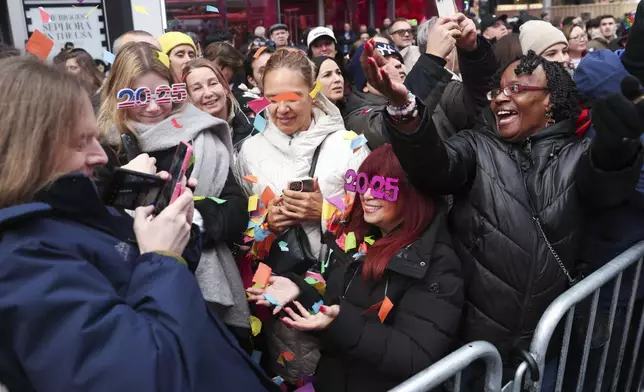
610	232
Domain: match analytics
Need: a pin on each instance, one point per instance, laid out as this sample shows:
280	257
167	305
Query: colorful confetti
91	12
39	45
252	202
44	15
141	9
316	89
108	57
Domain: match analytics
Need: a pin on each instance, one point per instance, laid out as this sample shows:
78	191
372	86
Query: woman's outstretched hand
306	321
280	288
382	76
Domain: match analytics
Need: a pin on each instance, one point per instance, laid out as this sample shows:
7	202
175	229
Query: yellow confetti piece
252	202
141	9
255	325
350	242
350	135
320	287
250	232
164	59
199	198
92	11
316	89
328	210
369	240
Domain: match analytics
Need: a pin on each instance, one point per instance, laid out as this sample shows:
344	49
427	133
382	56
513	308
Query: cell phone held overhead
178	169
446	8
304	184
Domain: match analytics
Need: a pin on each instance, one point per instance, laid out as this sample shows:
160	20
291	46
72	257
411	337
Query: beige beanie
537	35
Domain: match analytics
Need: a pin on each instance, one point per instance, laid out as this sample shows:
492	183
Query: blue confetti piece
278	380
259	123
261	234
272	300
358	142
283	246
108	57
316	306
210	8
257	356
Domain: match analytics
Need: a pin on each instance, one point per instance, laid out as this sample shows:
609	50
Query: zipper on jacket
528	292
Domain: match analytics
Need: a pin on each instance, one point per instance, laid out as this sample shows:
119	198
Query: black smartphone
130	145
178	168
129	189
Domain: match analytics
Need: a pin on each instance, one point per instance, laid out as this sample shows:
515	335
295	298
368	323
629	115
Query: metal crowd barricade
453	365
565	304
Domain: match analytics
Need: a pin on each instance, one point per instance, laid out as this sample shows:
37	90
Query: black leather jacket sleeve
433	166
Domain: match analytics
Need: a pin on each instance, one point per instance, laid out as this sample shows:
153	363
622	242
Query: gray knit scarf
217	274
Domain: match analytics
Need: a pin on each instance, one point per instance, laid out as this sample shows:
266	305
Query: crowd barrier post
565	305
452	366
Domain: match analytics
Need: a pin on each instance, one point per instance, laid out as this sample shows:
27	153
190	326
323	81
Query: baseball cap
488	21
389	50
319	32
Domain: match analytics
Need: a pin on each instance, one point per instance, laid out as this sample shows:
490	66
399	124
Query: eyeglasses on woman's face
579	38
512	90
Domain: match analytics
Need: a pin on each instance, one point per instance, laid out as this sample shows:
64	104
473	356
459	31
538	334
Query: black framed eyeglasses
512	90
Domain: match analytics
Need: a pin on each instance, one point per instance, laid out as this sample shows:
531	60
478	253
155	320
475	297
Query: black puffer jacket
425	283
502	191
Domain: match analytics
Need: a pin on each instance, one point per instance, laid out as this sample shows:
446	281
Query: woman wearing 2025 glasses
393	301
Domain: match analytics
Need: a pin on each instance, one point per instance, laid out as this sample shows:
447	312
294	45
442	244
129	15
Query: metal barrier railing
565	305
453	365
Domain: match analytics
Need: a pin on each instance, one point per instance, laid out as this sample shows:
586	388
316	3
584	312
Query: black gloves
618	123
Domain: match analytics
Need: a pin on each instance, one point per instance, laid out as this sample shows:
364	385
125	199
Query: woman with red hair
390	309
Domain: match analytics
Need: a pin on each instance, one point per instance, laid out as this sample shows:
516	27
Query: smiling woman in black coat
520	192
365	347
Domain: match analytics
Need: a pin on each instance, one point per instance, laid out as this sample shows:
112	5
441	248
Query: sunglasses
403	32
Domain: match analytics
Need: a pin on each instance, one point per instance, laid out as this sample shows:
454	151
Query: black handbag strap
316	155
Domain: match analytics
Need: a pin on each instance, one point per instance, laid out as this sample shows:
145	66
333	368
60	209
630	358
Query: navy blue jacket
610	232
82	310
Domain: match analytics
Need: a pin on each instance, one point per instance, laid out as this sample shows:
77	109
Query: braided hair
564	97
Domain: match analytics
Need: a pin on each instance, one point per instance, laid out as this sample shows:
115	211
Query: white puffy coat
276	158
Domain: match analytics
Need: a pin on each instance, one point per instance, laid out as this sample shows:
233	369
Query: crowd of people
353	210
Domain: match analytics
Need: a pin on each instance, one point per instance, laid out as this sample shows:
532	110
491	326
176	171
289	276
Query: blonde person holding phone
157	126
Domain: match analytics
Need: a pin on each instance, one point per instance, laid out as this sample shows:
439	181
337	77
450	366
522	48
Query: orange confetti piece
267	196
290	96
39	45
385	308
288	356
262	274
251	178
259	52
373	307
